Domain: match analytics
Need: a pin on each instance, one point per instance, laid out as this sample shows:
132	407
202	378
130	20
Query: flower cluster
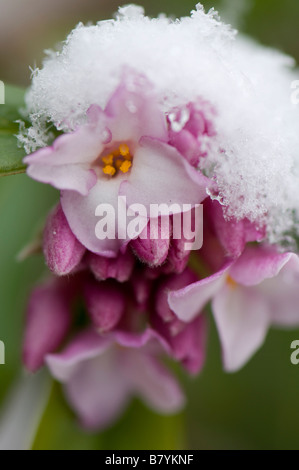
116	306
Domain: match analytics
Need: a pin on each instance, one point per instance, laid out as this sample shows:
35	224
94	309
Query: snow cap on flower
254	155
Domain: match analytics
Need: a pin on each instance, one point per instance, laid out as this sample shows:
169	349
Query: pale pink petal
188	302
282	294
258	263
98	391
134	111
84	346
149	339
67	177
80	213
161	175
153	383
242	317
67	163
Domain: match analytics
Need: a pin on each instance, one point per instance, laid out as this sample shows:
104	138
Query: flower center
231	282
118	160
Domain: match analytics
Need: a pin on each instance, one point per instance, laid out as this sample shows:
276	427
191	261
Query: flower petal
242	317
149	338
98	391
161	175
153	383
258	263
134	112
282	294
84	346
188	302
80	213
66	165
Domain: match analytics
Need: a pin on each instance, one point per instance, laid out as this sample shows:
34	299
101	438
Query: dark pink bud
119	268
47	323
178	257
62	250
105	303
152	246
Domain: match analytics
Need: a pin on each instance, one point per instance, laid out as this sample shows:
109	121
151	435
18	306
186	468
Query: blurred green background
257	408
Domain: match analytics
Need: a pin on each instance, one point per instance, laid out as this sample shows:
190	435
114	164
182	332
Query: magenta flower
100	374
122	150
248	295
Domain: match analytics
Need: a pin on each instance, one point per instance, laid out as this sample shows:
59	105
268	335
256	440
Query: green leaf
11	156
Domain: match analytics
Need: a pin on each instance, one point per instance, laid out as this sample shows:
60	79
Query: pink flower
122	150
248	295
101	373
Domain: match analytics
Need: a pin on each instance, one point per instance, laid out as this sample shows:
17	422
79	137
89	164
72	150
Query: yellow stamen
125	166
108	159
231	282
109	170
117	160
124	150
